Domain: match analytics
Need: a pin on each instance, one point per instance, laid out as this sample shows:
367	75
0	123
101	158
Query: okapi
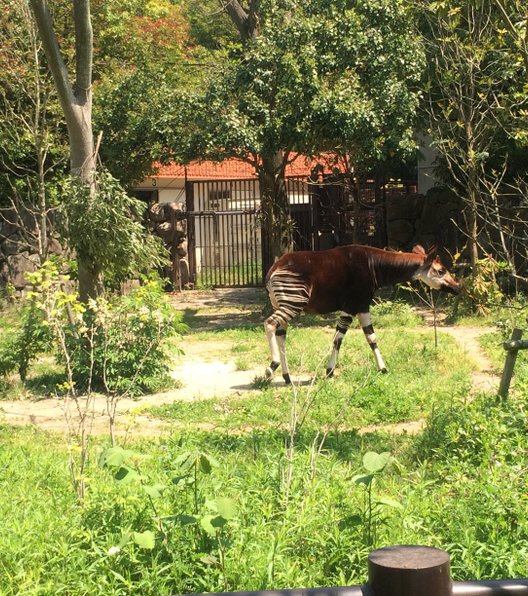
341	279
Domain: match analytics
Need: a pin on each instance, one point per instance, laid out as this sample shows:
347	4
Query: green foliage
115	345
104	227
481	290
313	80
20	349
373	514
126	353
207	511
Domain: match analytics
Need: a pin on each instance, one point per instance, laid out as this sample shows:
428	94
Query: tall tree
31	140
142	55
309	77
76	102
475	96
271	163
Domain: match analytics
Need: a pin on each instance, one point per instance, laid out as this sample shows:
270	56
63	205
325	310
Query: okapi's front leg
366	324
342	327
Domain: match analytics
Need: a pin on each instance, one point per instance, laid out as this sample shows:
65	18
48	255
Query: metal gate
225	239
225	234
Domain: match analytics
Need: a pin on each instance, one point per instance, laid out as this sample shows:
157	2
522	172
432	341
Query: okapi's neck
389	268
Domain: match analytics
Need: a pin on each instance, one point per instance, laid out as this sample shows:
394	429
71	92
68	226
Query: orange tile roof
228	169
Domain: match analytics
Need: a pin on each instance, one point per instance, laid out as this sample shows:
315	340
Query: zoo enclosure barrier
407	570
512	348
226	241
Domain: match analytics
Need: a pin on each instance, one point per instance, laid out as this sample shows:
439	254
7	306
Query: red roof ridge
231	168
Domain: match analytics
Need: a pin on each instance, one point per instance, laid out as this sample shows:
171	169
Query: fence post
511	357
409	571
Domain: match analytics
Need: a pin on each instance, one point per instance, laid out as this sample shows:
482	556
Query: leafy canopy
338	76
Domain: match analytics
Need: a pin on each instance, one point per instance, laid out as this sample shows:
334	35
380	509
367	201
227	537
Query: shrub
113	345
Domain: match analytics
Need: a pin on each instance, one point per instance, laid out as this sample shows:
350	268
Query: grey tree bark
76	103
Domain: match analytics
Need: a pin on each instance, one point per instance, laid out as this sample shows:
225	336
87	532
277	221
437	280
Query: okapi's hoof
329	373
384	371
287	379
268	373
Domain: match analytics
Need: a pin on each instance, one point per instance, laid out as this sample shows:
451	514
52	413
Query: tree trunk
472	216
76	103
276	220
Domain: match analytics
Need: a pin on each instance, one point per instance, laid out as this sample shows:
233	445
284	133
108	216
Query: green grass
421	378
301	519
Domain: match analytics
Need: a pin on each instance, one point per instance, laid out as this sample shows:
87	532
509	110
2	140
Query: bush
112	345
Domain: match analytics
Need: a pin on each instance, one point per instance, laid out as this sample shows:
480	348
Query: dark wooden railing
512	348
407	571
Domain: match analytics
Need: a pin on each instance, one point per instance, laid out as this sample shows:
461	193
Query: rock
19	265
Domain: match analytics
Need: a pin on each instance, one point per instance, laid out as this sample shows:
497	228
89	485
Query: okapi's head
433	273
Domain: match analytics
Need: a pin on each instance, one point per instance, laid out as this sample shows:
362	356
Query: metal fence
225	240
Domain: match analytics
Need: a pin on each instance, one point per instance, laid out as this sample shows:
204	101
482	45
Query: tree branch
52	51
83	46
246	21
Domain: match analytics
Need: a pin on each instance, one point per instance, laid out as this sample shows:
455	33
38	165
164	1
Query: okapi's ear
431	254
419	249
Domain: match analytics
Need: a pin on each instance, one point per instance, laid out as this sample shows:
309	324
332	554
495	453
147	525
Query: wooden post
409	571
509	364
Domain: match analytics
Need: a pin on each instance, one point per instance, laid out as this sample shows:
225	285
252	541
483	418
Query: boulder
19	265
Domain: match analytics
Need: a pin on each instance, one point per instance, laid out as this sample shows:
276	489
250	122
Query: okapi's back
338	278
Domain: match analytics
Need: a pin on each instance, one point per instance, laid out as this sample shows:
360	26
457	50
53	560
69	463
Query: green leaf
154	490
375	462
206	524
126	475
390	503
115	457
363	479
186	520
226	507
146	539
207	462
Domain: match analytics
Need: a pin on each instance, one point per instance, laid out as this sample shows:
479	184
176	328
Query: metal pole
504	587
409	571
509	364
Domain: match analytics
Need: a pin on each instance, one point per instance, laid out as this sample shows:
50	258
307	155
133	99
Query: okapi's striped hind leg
277	342
366	324
342	327
289	294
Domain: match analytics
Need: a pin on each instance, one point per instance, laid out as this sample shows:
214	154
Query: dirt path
208	371
200	374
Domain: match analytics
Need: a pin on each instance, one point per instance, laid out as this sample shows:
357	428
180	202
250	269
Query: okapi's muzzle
450	286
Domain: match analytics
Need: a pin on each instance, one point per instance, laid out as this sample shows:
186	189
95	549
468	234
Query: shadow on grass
211	320
45	384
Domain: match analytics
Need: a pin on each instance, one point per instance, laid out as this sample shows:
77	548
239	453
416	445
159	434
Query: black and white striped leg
281	340
289	294
277	342
342	327
366	324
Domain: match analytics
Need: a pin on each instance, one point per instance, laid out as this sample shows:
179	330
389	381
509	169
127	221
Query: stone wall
427	220
19	254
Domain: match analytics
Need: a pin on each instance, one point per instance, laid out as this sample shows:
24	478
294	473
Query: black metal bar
344	591
505	587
